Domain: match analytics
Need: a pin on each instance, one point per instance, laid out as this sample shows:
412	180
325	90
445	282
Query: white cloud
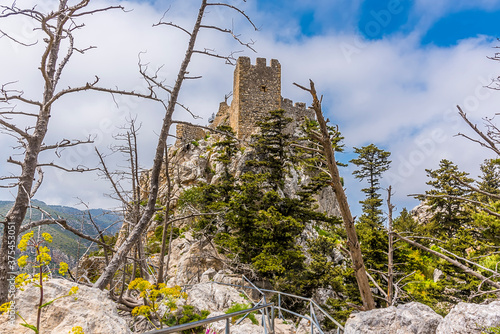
390	92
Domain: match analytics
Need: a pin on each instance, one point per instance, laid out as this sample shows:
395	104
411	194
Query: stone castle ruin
256	91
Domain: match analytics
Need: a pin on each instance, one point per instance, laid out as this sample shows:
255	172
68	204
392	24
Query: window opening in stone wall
263	88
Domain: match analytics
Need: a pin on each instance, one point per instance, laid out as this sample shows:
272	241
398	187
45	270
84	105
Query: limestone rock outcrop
467	318
92	310
412	318
422	214
190	258
214	297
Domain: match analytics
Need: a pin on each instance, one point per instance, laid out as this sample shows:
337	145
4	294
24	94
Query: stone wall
298	112
187	133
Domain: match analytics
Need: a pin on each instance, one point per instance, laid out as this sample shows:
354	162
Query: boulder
422	213
412	318
208	275
304	327
191	258
214	297
89	308
467	318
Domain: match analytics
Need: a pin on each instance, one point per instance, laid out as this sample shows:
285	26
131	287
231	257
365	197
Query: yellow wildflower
4	308
43	258
22	261
63	268
139	284
76	330
141	310
23	243
22	279
73	290
47	237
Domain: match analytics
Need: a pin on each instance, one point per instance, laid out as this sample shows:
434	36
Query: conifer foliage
372	162
259	221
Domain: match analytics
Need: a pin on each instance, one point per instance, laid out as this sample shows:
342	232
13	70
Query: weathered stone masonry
256	91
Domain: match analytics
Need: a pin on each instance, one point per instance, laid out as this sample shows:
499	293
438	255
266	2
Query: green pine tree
272	146
490	179
449	211
372	162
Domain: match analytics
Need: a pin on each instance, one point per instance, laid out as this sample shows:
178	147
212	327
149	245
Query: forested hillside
66	245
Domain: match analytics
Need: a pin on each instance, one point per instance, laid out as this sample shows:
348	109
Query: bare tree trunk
163	271
16	214
142	260
390	264
336	184
457	264
57	26
138	230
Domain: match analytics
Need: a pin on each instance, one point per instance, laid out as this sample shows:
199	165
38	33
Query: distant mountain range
66	246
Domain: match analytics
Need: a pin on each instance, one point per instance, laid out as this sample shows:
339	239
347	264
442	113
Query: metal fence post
228	323
272	319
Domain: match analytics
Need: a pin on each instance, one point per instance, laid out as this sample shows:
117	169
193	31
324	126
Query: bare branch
78	169
15	162
41	222
92	86
480	204
468	261
496	196
99	10
189	111
236	9
231	32
230	59
38	183
170	23
2	34
14	128
64	144
307	148
108	176
488	141
376	285
16	113
466	269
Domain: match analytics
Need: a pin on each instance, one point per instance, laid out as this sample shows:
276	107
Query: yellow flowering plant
39	263
154	296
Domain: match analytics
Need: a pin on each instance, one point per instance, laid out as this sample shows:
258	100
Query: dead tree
130	198
57	27
352	238
390	253
173	94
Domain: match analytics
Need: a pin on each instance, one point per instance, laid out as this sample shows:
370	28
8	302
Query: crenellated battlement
256	91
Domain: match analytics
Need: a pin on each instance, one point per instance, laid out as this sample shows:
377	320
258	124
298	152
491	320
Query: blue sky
391	72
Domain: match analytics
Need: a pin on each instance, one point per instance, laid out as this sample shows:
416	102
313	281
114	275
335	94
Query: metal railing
226	317
267	316
312	318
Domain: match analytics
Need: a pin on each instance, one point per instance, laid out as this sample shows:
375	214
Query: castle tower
256	91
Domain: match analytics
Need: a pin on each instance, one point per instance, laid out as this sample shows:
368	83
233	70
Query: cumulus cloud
391	91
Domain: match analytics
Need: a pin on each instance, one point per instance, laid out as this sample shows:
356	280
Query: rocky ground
97	314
